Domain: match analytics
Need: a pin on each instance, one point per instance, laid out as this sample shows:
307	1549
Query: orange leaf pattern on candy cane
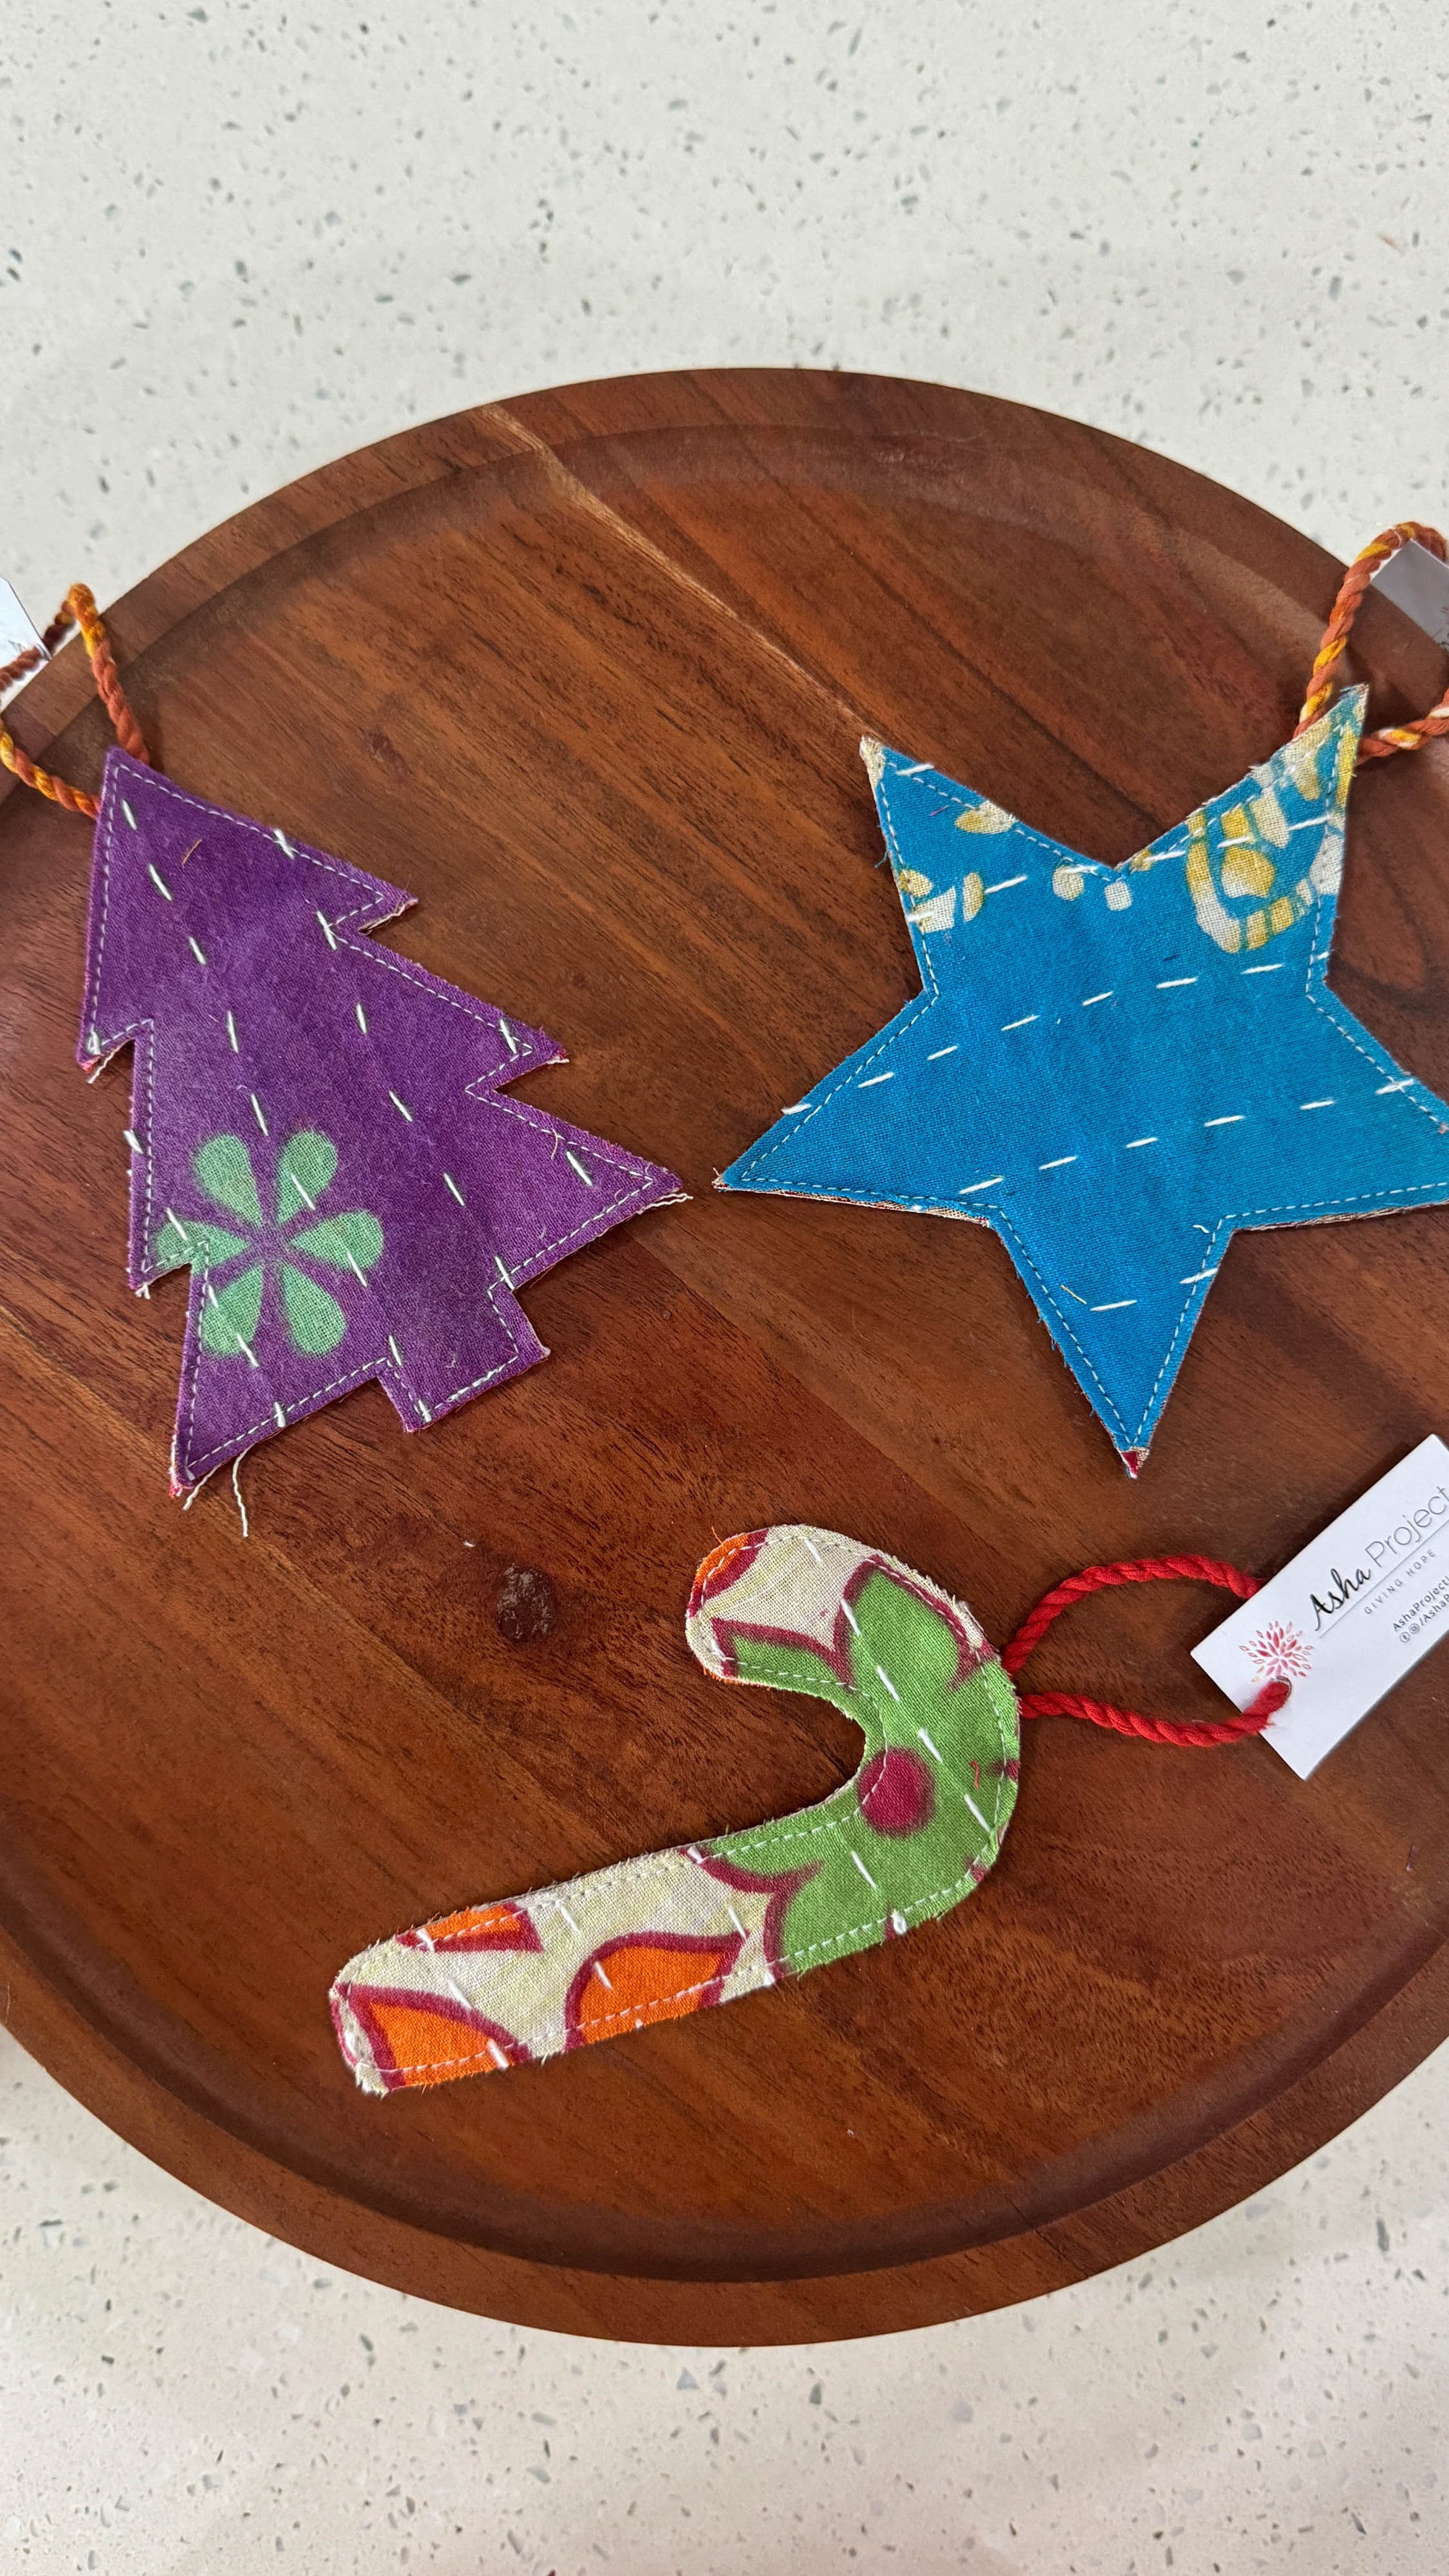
477	1927
643	1977
420	2038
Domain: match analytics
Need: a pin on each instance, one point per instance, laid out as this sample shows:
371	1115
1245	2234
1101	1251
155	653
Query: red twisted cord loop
1389	738
1125	1721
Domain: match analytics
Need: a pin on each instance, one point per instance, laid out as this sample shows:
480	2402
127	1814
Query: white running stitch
355	1377
678	1856
905	1018
377	1368
1056	851
426	982
989	1211
358	912
1303	1207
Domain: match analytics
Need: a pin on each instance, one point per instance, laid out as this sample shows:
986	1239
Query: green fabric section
223	1166
229	1315
948	1740
349	1242
352	1242
207	1246
314	1319
304	1170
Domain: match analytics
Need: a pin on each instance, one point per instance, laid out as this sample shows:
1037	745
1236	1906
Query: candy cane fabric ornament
913	1833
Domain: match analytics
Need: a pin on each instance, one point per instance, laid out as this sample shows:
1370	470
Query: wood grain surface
587	671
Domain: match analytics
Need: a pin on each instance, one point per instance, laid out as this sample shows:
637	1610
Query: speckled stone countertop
239	238
178	2393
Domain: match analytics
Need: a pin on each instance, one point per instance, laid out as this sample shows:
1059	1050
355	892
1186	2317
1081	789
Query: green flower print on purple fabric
294	1236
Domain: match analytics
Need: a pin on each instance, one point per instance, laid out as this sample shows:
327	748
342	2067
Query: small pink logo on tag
1279	1652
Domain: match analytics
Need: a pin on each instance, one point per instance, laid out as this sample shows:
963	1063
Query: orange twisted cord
1389	738
79	609
16	670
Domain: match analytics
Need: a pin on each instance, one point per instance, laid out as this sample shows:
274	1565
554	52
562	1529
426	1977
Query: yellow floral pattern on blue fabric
1247	884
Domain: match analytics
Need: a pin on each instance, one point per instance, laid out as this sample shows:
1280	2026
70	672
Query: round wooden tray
587	671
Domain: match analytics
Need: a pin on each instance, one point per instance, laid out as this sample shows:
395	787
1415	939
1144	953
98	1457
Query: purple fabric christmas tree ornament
317	1129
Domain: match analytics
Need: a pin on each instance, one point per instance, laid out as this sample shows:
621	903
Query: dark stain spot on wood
382	747
527	1605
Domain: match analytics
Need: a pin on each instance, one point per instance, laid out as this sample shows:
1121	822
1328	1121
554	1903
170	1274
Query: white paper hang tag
1418	582
17	635
1351	1614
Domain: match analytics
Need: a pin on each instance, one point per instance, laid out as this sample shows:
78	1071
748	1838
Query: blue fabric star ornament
1118	1067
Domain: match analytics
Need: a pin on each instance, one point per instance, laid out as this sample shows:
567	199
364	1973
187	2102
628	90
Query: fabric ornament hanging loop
1118	1068
1125	1721
317	1126
1351	590
78	608
909	1837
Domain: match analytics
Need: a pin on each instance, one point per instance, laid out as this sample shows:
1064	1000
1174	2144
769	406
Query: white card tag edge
1350	1614
17	633
1418	583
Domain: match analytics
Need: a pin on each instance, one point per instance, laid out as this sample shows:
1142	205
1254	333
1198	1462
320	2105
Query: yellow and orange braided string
80	610
1389	738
